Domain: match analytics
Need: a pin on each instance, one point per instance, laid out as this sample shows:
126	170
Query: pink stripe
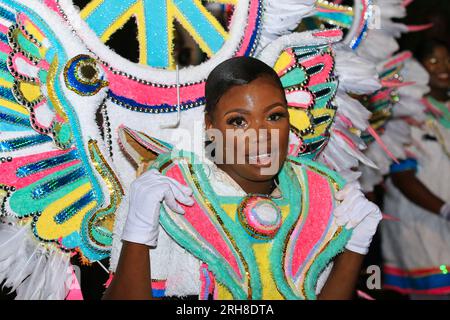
4	29
364	295
407	3
414	273
363	15
23	20
201	222
75	289
377	138
140	138
346	120
389	217
43	64
420	27
329	33
148	95
320	208
108	282
381	95
398	59
5	48
52	5
322	76
396	83
8	169
347	139
203	295
410	154
159	284
252	18
436	291
429	106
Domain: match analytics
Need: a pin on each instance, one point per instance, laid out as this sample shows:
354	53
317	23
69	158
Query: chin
253	173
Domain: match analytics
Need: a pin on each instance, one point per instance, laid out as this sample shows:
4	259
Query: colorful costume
416	248
247	246
68	104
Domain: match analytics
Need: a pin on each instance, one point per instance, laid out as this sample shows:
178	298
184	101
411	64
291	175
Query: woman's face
253	122
438	66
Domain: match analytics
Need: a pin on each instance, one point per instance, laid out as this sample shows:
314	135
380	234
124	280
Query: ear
208	121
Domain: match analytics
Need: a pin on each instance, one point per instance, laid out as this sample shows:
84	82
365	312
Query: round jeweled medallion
260	216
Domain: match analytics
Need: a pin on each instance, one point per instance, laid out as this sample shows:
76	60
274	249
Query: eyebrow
245	111
273	105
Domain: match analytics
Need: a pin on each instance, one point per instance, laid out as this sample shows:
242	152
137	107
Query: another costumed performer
416	248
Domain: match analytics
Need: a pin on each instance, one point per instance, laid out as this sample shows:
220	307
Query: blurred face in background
438	66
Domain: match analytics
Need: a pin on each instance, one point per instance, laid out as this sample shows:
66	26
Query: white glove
146	195
356	212
445	211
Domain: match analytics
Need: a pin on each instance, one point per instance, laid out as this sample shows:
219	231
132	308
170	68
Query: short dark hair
235	72
426	48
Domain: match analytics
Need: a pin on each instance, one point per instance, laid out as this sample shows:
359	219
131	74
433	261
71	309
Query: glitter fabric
307	74
260	216
232	235
53	175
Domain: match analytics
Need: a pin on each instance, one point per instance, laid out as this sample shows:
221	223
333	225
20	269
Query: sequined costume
231	245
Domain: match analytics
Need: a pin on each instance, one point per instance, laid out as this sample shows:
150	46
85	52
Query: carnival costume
416	249
75	119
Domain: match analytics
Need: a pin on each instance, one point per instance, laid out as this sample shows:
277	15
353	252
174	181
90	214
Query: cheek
282	128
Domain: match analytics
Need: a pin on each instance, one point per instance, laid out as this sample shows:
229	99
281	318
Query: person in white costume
416	249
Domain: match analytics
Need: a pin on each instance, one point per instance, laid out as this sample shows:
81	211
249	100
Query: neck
259	187
439	94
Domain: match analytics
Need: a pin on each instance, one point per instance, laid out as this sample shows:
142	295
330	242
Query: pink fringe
364	295
381	143
407	3
420	27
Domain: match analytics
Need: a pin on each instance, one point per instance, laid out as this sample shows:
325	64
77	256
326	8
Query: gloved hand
356	212
146	195
444	212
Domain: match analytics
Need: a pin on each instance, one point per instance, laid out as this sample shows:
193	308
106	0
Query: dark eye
88	72
83	75
238	122
276	116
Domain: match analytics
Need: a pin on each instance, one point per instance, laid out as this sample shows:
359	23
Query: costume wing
370	27
316	80
60	192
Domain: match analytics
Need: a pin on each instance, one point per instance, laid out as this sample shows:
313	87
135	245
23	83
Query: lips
261	159
442	76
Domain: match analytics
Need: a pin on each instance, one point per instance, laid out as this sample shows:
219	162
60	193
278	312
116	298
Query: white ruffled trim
381	43
397	133
29	268
356	74
281	17
272	51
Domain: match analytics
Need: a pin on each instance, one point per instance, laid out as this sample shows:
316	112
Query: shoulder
318	170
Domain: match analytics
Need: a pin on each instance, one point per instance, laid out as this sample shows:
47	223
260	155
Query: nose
259	124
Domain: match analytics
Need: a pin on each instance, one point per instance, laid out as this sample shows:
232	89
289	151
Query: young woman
416	249
261	226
